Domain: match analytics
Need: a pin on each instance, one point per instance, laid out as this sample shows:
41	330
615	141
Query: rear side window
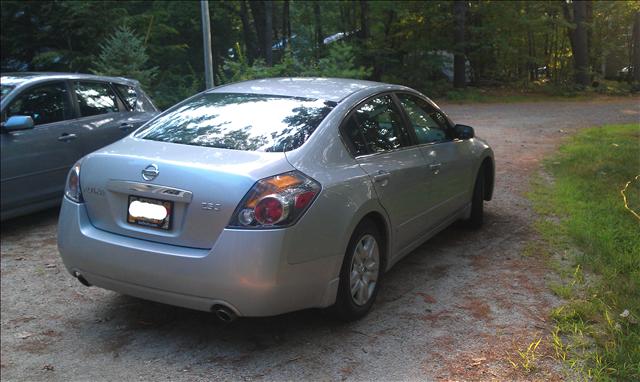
249	122
129	95
375	126
45	104
95	98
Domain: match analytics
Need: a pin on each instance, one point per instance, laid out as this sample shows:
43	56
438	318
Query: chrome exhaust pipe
224	314
81	278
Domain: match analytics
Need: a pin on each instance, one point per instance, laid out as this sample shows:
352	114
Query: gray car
49	121
269	196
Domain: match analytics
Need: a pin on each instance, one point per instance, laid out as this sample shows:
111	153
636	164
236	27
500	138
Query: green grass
530	92
584	221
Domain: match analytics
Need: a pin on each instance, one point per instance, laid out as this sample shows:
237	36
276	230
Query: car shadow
164	325
18	225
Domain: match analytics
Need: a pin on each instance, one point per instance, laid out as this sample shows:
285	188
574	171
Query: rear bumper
246	271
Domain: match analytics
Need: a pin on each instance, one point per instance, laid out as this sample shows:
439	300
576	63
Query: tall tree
258	12
364	19
247	32
459	11
635	62
579	38
286	24
268	32
319	38
123	54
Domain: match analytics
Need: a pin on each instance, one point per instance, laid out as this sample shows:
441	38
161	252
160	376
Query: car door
102	115
446	158
35	161
382	147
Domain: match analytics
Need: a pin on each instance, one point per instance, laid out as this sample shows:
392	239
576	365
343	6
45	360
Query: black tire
346	308
477	202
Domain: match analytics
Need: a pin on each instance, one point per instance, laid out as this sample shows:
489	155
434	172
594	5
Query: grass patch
530	92
585	223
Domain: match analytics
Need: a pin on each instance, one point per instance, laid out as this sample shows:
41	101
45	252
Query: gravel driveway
456	308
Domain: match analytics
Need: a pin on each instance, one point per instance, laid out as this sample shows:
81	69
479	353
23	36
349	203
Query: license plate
149	212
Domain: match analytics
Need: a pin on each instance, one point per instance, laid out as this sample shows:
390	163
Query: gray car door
35	161
103	118
383	150
447	159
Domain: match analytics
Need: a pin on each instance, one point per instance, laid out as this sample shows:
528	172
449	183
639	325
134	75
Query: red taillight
277	201
269	210
302	200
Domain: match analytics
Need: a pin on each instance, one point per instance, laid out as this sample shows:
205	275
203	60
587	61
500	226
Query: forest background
446	49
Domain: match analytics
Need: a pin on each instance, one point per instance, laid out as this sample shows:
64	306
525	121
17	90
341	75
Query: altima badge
150	172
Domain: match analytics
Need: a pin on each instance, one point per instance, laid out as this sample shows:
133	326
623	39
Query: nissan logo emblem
150	172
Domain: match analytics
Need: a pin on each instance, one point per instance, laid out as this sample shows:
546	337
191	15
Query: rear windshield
249	122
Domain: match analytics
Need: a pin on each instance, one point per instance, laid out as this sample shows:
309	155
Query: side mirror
18	122
464	132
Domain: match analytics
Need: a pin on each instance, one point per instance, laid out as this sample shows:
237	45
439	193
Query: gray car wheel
477	202
360	275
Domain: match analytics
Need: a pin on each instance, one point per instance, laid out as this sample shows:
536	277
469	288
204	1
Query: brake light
72	187
277	201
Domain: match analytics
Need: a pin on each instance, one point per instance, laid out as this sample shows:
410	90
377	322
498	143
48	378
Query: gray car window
5	90
95	98
45	104
129	94
250	122
379	126
429	124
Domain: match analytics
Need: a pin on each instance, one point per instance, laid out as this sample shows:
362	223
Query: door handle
382	177
67	137
126	126
435	167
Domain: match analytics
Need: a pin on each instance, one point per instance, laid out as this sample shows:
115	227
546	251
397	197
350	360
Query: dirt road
457	308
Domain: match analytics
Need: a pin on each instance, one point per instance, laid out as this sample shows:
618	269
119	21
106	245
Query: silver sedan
269	196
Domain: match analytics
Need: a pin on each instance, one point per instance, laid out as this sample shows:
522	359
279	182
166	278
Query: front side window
95	98
429	124
249	122
5	90
44	104
376	126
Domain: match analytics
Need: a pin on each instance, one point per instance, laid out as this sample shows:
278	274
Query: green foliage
600	320
339	62
506	41
123	54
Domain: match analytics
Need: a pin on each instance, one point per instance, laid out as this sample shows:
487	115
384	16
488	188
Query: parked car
269	196
49	121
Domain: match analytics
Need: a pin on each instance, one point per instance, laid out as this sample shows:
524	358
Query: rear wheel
477	202
360	273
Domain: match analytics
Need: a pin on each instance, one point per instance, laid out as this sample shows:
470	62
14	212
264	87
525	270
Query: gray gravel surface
457	308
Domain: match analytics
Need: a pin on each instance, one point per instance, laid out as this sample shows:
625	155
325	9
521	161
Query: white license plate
149	212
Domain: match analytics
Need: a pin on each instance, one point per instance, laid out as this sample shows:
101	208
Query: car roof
19	78
327	89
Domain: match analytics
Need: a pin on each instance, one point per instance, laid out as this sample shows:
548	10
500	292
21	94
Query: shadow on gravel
39	219
123	320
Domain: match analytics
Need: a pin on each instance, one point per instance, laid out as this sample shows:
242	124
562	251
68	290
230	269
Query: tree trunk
635	62
257	10
247	32
459	10
317	18
581	47
268	32
286	25
364	19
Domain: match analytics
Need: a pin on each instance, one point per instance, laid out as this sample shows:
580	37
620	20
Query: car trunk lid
200	185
